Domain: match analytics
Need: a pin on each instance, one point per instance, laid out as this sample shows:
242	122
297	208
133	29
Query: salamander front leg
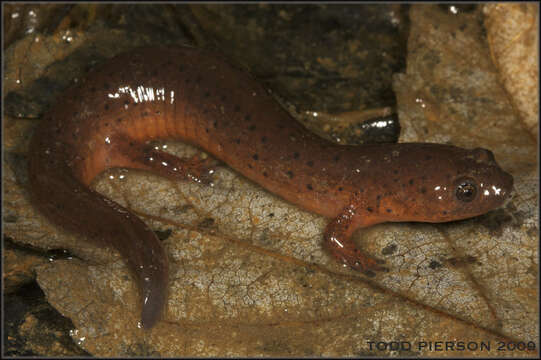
134	155
339	243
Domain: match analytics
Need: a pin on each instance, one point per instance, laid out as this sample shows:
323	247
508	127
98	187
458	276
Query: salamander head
457	184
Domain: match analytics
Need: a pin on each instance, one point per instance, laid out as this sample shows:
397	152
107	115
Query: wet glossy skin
197	97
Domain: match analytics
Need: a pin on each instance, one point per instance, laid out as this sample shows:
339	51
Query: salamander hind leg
339	243
135	155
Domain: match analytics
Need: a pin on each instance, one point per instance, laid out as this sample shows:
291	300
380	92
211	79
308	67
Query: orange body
187	94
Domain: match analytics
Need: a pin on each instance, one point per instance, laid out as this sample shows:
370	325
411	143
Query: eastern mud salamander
196	96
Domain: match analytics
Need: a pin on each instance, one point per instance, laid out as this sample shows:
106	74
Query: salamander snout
483	185
507	181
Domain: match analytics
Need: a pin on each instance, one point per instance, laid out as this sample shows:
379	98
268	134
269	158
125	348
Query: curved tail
65	201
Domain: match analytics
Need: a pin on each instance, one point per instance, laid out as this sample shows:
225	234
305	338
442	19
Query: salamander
109	118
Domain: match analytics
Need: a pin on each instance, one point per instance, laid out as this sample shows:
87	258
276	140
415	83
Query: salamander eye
466	190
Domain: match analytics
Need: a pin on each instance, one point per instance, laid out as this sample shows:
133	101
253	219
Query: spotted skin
195	96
